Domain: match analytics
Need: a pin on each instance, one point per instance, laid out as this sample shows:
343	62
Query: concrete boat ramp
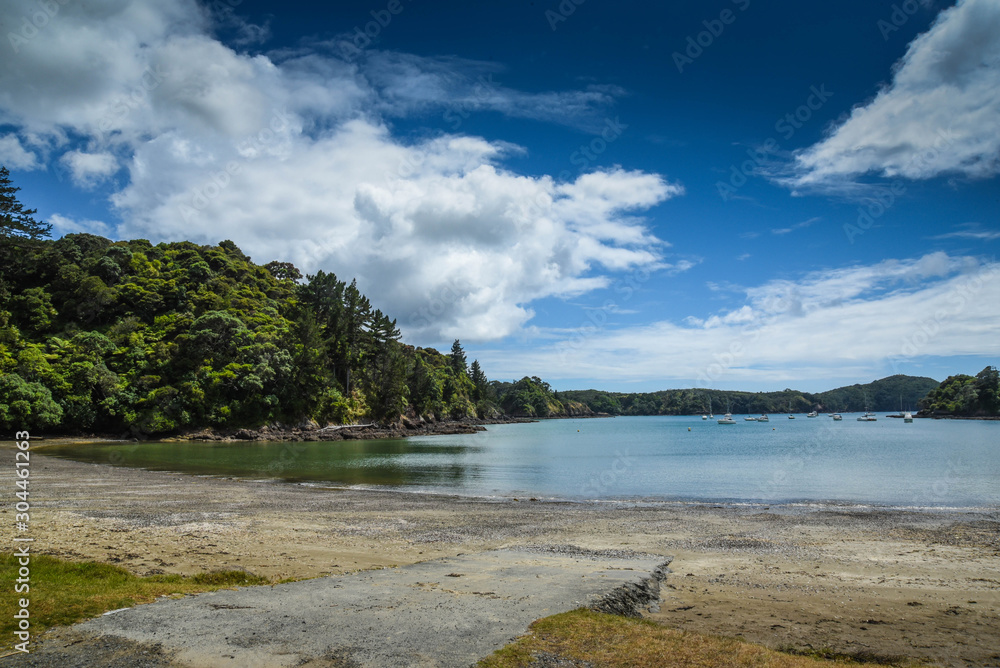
446	612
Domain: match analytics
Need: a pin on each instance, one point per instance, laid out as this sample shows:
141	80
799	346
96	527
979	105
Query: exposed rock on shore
407	426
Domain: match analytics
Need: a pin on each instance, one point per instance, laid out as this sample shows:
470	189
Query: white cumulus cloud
939	115
13	155
89	169
292	156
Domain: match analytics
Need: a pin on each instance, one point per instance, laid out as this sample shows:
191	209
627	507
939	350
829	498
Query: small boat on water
907	417
763	418
750	419
837	416
812	414
867	416
704	417
728	419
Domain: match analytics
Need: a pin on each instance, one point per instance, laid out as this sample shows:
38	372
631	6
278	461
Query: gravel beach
879	582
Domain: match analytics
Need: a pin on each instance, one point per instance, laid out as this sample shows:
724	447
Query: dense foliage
966	396
882	395
109	336
533	397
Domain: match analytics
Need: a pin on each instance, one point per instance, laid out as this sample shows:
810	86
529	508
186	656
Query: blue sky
736	194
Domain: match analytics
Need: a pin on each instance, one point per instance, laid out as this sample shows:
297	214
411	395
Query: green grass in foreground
64	592
608	640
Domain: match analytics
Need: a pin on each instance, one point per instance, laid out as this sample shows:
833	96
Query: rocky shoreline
407	426
313	432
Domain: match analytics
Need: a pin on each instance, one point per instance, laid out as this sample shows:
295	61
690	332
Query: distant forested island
101	336
886	394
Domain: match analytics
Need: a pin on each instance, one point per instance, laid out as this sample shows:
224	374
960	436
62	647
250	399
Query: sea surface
929	463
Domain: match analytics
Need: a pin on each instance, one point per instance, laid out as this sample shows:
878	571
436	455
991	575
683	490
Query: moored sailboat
728	418
868	416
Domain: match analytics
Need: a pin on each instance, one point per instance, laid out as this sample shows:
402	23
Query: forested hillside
109	336
966	396
883	395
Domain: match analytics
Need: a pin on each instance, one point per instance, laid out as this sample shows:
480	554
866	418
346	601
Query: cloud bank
836	324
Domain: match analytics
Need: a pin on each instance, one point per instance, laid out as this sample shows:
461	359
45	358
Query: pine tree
479	380
458	362
16	222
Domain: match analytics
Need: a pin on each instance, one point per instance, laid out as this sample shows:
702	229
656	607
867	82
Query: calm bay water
926	463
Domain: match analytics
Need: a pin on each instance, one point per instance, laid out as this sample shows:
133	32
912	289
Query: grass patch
608	640
65	592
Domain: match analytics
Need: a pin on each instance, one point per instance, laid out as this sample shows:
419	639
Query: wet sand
871	581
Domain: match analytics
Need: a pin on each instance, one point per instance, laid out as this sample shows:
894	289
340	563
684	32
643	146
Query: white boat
812	414
750	419
763	418
790	416
704	417
867	416
728	419
907	417
837	416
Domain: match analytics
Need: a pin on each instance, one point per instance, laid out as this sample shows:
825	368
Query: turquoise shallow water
936	463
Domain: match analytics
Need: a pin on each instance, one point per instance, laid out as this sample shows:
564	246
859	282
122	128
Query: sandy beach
922	584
